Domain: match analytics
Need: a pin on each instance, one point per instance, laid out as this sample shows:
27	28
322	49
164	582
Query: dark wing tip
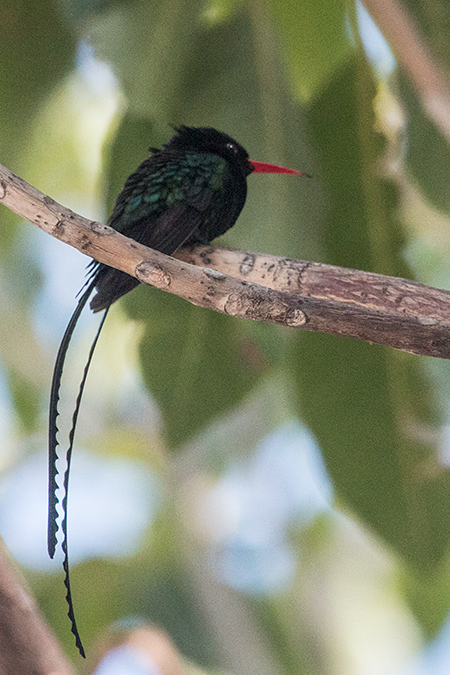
70	611
52	539
64	544
52	527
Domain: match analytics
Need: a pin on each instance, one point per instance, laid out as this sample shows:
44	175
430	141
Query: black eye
233	148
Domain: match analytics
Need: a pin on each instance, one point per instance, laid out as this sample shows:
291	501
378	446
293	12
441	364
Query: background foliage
86	88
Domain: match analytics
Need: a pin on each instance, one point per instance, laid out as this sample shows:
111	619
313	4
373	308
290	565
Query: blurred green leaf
36	50
194	361
26	399
152	74
433	21
427	150
76	12
314	40
428	596
359	399
216	11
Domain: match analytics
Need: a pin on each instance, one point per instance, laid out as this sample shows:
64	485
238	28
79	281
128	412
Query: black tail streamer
52	526
64	545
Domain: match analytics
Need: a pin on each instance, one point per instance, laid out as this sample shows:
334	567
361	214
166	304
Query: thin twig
371	307
415	56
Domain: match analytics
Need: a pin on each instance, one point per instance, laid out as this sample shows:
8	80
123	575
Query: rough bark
372	307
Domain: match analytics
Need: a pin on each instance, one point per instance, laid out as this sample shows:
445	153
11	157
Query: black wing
165	232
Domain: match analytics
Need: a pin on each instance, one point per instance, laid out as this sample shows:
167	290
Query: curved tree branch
376	308
27	645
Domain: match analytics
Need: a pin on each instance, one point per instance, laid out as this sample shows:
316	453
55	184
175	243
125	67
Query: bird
189	192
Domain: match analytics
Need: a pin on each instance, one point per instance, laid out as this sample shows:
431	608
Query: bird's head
208	139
